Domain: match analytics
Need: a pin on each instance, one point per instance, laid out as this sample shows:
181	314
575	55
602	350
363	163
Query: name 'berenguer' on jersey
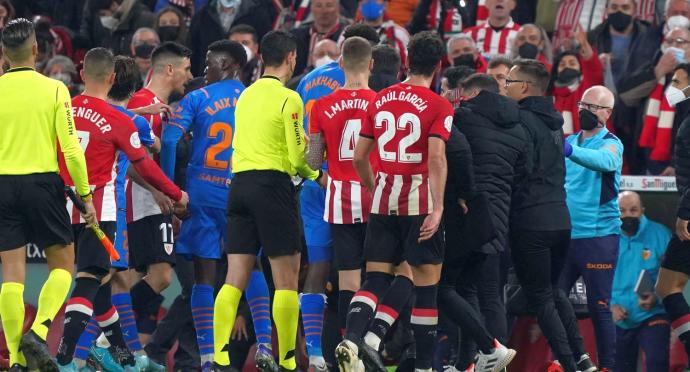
102	131
339	118
401	120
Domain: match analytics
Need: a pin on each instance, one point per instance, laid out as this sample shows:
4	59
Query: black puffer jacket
499	146
681	159
538	203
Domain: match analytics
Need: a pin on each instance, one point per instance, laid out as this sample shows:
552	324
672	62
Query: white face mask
674	95
63	77
109	22
677	21
249	52
323	61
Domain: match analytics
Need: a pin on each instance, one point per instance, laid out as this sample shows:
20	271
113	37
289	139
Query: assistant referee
35	113
268	148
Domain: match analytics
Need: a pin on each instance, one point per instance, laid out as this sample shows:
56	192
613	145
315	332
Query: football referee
35	114
268	148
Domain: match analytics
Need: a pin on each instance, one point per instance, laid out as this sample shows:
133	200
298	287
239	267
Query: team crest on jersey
295	116
448	123
168	248
134	140
646	253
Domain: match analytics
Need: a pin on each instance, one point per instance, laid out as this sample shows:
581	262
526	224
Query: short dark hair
126	79
535	72
231	48
481	82
356	53
275	47
364	31
15	37
456	74
168	50
425	51
99	63
500	61
386	60
245	29
683	66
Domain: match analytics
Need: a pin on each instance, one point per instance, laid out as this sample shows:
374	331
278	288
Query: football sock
364	303
86	339
78	312
679	312
123	304
202	313
424	321
224	313
286	316
259	301
344	299
313	306
146	303
388	310
50	300
109	321
12	314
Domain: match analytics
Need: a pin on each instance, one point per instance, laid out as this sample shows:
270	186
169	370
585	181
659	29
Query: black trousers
538	257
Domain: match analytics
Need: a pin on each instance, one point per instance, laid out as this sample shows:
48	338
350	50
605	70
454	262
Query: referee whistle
107	244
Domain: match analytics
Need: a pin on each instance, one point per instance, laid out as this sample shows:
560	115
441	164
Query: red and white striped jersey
140	202
338	117
492	42
102	132
402	119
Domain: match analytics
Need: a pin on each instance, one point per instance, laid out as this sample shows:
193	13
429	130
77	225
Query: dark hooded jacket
499	146
681	160
538	203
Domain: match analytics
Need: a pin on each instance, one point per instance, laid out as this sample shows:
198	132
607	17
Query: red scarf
565	101
658	125
482	12
452	23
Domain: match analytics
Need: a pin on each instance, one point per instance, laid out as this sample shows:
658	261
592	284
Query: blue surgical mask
372	10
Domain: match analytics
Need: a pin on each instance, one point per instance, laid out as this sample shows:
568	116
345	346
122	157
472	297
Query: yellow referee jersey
36	112
268	130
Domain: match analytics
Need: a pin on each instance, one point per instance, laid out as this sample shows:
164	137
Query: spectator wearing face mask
62	68
98	21
247	36
641	322
214	21
571	75
144	41
130	16
325	52
657	121
613	39
462	51
532	42
170	26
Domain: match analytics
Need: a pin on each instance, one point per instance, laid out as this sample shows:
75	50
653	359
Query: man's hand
180	207
154	109
666	64
463	205
430	226
580	36
90	215
323	180
239	330
647	301
669	172
604	58
619	313
682	229
163	201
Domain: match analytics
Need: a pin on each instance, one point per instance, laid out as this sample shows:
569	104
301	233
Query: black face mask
588	120
168	33
568	76
630	225
619	21
529	51
464	60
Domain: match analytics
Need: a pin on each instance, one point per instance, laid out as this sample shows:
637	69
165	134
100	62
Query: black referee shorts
263	213
91	255
33	208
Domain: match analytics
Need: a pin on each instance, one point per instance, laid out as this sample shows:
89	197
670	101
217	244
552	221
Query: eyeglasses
591	106
509	81
676	42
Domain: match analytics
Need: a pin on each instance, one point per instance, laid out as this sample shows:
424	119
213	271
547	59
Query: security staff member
268	148
35	113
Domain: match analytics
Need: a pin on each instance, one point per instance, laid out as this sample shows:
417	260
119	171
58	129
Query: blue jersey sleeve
182	120
145	132
607	158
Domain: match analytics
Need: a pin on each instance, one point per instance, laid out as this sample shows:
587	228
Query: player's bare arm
438	170
361	162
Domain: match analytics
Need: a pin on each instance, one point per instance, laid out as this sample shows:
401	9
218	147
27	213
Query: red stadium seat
55	331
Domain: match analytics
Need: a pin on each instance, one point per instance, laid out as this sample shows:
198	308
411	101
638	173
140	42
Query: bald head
325	48
678	38
599	95
630	204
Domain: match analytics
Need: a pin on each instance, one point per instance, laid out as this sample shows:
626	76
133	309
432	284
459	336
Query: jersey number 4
348	139
224	130
387	119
